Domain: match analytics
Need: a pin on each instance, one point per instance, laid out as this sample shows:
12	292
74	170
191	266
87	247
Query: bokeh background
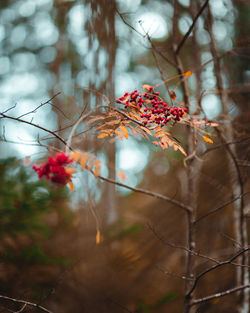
48	250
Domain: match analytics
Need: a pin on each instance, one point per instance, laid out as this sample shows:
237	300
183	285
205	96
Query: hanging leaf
98	237
124	131
119	134
84	159
71	186
172	95
75	156
207	139
188	73
97	165
121	175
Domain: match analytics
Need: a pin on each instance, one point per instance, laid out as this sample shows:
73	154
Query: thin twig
219	294
177	51
26	303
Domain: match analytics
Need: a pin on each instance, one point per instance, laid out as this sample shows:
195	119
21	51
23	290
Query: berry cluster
152	108
54	169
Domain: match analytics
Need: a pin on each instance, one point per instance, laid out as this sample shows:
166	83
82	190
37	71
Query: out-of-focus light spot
132	156
76	20
153	24
27	8
218	8
219	30
23	61
125	5
7	15
185	3
184	23
43	2
48	54
202	37
4	65
23	136
125	82
211	105
18	35
2	32
20	84
45	31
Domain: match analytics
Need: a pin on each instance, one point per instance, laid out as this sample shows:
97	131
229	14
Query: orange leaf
84	160
97	169
98	237
102	135
147	130
71	186
124	131
172	95
188	73
207	139
121	175
75	156
119	134
146	87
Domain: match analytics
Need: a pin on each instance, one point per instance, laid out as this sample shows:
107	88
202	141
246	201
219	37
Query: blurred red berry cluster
54	169
153	109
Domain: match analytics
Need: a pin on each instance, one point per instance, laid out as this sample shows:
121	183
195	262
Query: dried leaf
84	160
71	186
146	87
147	130
75	156
94	119
207	139
124	131
97	169
172	95
188	73
119	134
102	135
121	175
98	237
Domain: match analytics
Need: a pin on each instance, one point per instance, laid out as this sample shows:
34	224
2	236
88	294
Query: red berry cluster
152	107
54	169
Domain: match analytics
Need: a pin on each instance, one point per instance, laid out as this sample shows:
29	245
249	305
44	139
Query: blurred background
48	251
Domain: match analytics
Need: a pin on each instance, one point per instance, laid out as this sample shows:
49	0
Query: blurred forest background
48	252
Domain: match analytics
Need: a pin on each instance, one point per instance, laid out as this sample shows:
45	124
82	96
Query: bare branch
220	294
178	49
39	307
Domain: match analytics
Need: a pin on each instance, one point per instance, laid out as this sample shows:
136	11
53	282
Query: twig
219	208
215	267
26	303
177	51
219	294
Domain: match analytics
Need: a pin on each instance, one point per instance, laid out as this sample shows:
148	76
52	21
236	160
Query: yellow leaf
98	237
71	186
121	175
102	135
84	160
188	73
207	139
119	134
147	130
124	131
75	156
